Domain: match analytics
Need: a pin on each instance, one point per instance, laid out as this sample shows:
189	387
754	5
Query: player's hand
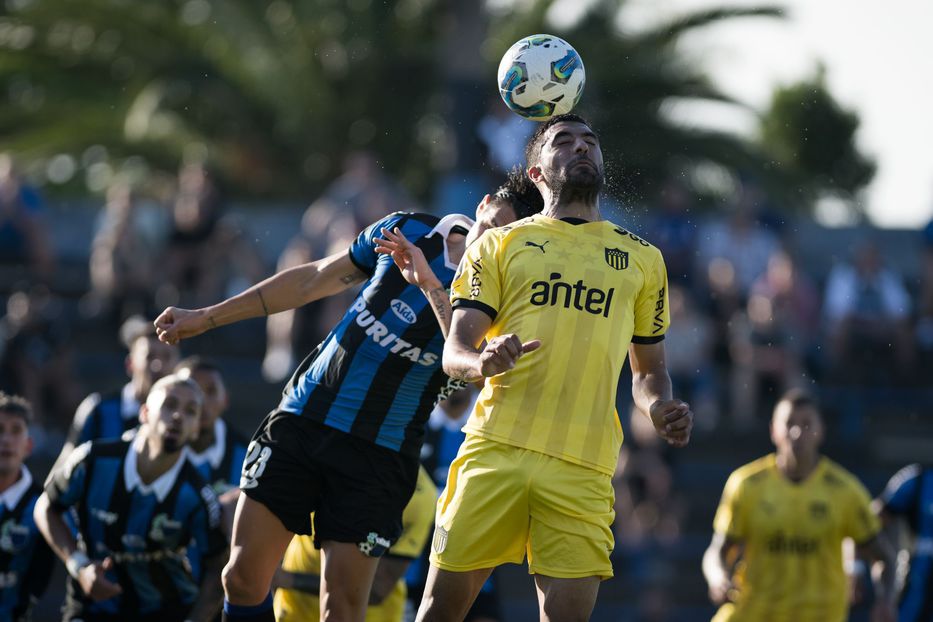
95	584
502	352
175	324
408	257
673	421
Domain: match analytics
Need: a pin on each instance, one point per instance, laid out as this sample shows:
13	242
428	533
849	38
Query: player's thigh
258	543
566	600
346	577
571	518
482	515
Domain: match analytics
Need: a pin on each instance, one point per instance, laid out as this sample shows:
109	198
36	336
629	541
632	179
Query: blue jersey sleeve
363	249
900	495
66	486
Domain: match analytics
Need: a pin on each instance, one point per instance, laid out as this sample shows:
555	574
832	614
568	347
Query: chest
804	515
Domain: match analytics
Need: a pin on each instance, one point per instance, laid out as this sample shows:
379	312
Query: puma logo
538	246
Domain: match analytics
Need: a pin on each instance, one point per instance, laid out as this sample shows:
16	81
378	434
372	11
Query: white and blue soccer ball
541	76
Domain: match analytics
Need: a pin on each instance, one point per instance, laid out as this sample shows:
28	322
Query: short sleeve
652	313
205	529
860	524
900	495
363	249
66	485
730	518
477	284
417	519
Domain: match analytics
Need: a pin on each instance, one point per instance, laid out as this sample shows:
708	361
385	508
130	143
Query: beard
577	184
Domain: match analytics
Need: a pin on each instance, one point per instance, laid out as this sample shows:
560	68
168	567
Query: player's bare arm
718	564
463	357
286	290
416	271
90	574
651	391
880	556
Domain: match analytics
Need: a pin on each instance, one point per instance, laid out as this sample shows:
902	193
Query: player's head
172	412
15	442
565	160
797	425
206	373
515	199
149	359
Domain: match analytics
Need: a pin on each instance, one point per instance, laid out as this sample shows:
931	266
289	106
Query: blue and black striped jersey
378	373
144	529
909	495
104	416
25	557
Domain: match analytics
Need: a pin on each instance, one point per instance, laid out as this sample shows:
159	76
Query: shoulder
835	476
752	474
628	241
905	475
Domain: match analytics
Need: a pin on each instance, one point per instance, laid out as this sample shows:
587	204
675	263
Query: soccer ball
541	76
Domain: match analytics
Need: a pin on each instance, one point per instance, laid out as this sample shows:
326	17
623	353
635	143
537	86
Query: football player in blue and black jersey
138	503
344	440
110	415
25	558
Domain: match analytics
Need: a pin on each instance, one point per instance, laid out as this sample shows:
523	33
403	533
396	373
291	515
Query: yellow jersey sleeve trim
464	303
647	340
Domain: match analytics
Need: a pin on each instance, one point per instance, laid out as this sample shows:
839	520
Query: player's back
586	290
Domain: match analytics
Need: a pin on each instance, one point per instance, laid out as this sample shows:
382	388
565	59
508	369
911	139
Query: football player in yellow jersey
534	474
777	550
297	597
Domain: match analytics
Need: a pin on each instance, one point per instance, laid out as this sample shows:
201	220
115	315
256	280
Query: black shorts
356	489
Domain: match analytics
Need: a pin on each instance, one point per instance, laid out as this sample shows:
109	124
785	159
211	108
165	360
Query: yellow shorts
503	501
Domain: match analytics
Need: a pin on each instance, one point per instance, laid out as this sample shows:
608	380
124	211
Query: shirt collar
129	405
215	453
443	228
162	485
12	495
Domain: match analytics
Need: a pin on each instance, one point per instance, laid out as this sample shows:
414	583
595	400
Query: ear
29	445
482	204
535	174
144	414
128	365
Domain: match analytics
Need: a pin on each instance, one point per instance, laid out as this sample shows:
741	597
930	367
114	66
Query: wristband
76	561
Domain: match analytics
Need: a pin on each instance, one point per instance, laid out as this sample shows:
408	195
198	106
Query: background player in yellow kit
534	473
299	579
777	549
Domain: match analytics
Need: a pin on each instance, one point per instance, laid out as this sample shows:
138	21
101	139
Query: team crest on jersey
617	258
819	510
163	528
440	539
13	536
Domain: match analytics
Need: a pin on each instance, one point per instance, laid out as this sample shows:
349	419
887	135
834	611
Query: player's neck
152	463
797	468
574	209
7	479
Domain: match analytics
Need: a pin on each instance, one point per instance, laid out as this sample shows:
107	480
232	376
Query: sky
879	63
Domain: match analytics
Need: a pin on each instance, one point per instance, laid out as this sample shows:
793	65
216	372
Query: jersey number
254	464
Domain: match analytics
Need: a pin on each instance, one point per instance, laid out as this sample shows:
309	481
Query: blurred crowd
749	319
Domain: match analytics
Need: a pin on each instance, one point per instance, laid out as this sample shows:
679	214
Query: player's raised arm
415	270
288	289
465	360
651	391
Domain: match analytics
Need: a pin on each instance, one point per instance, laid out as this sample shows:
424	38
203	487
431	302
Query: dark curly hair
521	193
16	405
533	148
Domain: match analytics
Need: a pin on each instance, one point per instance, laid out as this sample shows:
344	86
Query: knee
240	587
339	605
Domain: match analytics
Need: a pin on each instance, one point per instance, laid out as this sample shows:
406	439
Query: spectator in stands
867	310
25	557
24	238
122	259
36	362
138	504
109	415
503	134
672	228
907	501
207	253
690	364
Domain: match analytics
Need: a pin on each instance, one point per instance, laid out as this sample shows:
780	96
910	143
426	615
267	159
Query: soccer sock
257	613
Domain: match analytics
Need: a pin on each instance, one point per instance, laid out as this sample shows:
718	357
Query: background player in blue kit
25	558
361	400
